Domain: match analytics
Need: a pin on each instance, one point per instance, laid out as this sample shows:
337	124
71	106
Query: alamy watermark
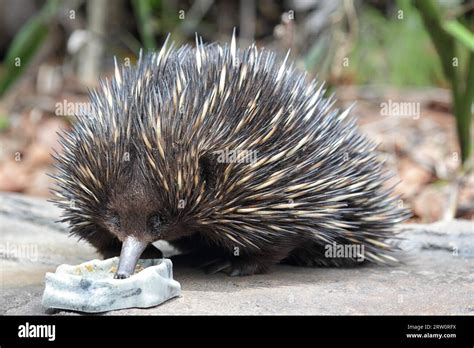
236	156
344	251
66	108
19	251
400	109
28	330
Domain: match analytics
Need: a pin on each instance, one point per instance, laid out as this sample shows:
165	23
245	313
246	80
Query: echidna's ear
210	168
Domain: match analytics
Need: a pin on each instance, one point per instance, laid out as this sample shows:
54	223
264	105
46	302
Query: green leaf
445	35
460	33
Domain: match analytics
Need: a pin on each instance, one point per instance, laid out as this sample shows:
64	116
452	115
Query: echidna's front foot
235	267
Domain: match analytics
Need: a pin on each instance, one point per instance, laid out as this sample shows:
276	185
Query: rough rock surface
437	276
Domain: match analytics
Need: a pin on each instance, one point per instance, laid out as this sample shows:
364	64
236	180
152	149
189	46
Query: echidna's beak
132	249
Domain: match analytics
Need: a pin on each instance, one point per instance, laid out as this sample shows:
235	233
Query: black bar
112	330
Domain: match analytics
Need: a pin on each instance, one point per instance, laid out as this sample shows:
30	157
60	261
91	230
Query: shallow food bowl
91	287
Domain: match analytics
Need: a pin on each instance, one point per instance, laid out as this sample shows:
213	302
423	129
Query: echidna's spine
313	178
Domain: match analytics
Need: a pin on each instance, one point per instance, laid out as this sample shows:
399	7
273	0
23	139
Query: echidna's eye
154	223
115	220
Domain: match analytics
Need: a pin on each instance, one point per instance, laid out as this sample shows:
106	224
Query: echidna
224	150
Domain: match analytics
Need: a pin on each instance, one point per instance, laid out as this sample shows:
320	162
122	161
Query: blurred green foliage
4	123
394	51
155	17
320	56
453	43
143	13
25	44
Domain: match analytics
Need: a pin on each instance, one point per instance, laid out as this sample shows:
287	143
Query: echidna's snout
132	248
133	217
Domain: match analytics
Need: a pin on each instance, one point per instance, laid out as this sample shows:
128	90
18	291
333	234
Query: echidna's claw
245	267
216	266
234	267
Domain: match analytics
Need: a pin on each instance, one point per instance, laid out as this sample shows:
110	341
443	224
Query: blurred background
408	64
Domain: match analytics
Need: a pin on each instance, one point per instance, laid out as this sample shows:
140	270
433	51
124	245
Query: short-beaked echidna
225	150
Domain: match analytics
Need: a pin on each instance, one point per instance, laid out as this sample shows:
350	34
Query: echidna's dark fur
150	146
